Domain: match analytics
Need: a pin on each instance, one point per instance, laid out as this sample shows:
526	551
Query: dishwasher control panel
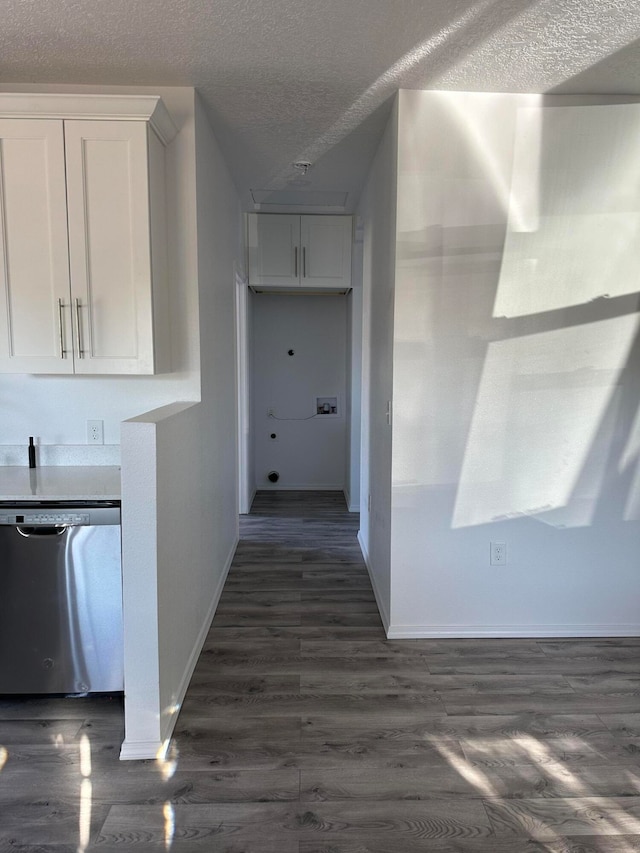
32	514
33	519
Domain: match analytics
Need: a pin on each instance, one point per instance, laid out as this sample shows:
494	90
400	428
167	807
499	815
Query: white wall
516	367
179	472
220	252
377	209
170	587
55	409
309	452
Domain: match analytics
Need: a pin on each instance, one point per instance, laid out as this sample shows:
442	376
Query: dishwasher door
60	600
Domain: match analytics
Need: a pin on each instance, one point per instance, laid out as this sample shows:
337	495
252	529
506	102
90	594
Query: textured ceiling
289	80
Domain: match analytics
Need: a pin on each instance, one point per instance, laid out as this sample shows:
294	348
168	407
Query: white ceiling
291	80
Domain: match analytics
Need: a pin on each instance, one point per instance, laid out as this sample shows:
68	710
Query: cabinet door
326	251
109	246
35	331
274	250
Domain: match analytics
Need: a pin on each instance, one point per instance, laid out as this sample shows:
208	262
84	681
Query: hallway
305	731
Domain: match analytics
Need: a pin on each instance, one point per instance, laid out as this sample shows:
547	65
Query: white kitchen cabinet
292	252
34	257
82	242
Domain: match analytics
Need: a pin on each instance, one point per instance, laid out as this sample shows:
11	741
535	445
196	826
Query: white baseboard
131	750
379	600
278	487
142	749
251	498
351	505
418	632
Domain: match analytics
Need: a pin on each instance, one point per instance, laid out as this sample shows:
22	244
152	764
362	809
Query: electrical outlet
498	553
95	432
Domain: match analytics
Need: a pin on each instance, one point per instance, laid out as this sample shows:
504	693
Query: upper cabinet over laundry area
82	234
288	252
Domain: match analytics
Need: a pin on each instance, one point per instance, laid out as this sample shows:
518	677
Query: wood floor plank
50	824
540	726
407	680
478	649
296	704
335	755
565	751
491	844
453	780
623	724
237	727
220	646
546	818
458	703
614	647
609	683
258	616
359	649
224	661
337	633
61	789
332	618
530	665
268	827
39	731
10	847
425	821
402	675
204	682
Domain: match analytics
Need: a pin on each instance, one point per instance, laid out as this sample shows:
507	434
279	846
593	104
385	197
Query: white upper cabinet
82	246
299	251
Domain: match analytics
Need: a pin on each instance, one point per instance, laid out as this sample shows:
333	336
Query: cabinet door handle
295	262
63	351
304	262
79	323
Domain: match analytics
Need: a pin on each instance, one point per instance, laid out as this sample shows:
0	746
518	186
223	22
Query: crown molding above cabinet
147	108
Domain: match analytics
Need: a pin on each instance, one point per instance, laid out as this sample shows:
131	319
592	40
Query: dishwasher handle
30	532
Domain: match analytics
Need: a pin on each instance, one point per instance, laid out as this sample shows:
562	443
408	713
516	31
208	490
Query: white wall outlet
95	432
498	553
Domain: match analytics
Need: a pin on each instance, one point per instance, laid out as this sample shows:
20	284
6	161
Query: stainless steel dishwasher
60	597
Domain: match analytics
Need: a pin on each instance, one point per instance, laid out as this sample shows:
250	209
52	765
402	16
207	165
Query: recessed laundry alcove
298	382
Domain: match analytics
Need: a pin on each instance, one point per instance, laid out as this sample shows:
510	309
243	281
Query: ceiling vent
333	199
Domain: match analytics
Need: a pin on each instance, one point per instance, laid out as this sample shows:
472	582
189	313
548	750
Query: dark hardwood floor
305	731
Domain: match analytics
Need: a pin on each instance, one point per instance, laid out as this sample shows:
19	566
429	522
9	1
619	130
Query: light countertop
60	483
